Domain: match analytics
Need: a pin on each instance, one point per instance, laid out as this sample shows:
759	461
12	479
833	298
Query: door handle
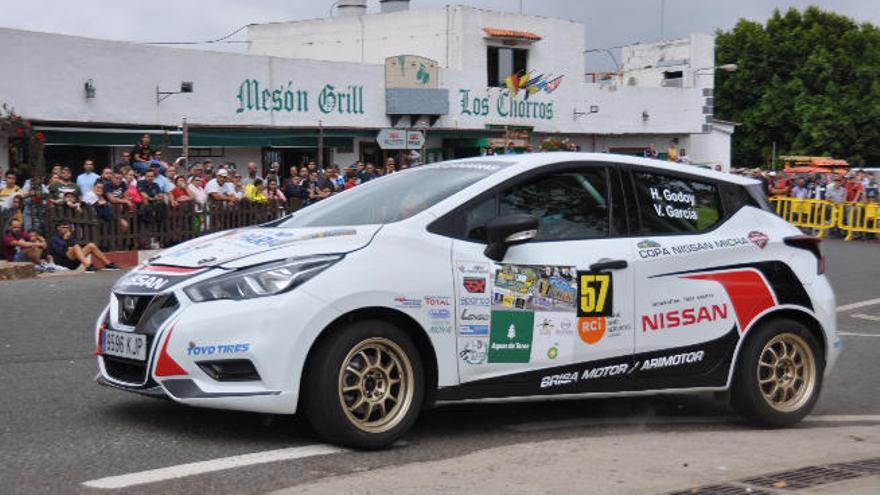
606	264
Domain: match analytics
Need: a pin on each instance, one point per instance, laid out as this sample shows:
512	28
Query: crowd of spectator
855	186
147	187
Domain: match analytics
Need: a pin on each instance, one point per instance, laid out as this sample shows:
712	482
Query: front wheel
779	374
365	385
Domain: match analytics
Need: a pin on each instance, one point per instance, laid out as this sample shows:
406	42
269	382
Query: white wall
712	148
646	63
452	35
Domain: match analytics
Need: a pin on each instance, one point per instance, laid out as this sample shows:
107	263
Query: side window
477	218
570	205
671	204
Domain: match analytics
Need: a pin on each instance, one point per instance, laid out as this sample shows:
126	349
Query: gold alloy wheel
787	372
376	385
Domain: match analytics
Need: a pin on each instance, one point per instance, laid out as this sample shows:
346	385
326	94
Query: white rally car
504	277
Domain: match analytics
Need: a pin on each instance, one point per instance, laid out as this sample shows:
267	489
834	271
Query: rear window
670	204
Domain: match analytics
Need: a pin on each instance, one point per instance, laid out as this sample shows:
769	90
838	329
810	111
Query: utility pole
773	158
320	144
185	142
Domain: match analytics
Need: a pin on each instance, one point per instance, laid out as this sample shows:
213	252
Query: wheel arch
791	312
397	318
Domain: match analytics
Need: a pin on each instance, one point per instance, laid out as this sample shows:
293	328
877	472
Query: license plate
126	345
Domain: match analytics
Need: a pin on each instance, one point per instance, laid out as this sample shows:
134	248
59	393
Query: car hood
242	247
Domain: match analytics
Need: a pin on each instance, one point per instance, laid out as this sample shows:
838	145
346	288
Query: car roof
515	164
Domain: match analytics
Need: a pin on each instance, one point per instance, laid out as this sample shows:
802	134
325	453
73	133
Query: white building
334	83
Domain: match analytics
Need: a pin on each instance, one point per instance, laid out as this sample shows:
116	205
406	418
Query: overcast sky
608	22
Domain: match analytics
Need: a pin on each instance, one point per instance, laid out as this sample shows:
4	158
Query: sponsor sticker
472	267
474	285
591	329
510	337
675	318
482	301
595	294
648	243
437	301
439	314
407	302
758	238
207	350
553	337
474	351
441	328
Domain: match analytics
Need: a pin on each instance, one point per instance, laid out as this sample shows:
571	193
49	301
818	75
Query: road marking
536	426
865	317
223	463
856	305
853	334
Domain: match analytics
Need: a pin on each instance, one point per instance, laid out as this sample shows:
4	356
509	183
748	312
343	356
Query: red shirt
853	188
179	193
8	239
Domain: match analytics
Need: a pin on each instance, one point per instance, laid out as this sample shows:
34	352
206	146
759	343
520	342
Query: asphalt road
60	429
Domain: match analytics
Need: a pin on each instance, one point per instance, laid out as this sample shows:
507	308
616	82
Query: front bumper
265	333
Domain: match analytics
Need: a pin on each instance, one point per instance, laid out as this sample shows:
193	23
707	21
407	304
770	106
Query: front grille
131	308
125	370
149	315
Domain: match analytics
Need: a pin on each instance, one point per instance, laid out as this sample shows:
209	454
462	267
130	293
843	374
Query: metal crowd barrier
821	215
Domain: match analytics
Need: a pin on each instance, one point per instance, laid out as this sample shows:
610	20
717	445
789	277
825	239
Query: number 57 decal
594	294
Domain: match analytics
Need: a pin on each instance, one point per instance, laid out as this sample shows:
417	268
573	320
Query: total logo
437	301
592	329
474	301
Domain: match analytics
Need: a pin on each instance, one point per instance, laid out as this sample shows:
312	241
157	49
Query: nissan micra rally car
505	277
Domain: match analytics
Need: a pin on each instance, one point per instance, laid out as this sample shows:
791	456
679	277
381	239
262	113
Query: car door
553	305
688	253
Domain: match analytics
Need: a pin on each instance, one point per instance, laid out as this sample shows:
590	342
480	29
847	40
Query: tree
810	82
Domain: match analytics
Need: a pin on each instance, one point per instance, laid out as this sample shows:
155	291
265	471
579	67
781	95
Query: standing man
390	166
651	151
252	174
142	154
800	189
672	151
86	180
125	161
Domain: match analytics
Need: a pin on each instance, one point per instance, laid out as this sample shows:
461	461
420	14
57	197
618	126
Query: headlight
262	280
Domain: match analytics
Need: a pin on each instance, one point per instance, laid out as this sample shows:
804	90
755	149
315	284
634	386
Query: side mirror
503	232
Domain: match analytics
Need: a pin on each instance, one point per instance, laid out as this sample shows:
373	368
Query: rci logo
592	329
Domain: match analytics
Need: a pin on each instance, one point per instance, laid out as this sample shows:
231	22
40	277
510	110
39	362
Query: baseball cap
223	173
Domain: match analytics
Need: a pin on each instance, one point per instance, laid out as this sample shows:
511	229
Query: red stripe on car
747	290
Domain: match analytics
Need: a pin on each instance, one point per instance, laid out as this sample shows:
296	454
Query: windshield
394	197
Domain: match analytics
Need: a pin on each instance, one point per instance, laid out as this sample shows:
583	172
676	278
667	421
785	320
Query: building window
501	62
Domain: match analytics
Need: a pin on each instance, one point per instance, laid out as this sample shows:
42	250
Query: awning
510	34
201	137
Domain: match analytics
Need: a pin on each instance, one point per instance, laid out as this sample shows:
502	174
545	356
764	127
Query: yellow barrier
859	217
822	215
815	214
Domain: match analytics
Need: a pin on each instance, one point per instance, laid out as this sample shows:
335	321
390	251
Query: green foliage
808	81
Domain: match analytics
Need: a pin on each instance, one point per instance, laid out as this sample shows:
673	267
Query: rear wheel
365	385
779	374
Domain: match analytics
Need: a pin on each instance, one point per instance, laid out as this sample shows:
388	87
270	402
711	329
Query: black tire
747	395
323	401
